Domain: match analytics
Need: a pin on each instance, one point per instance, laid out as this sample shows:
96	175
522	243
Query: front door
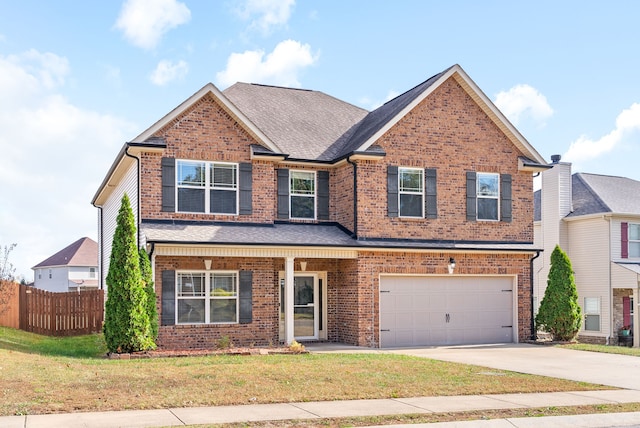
305	307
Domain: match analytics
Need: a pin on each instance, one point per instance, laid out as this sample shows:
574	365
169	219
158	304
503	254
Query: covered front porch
625	291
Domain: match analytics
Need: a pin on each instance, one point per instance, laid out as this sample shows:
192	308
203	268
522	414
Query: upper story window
302	193
411	192
207	298
207	187
488	196
634	240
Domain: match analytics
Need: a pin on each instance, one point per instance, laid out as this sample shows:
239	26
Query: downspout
355	197
610	306
534	334
101	241
138	219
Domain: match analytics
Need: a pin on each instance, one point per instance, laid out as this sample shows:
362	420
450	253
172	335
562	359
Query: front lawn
50	375
623	350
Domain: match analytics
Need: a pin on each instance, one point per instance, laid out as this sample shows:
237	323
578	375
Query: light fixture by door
452	264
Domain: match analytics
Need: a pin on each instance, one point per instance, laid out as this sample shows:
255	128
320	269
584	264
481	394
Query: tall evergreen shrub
126	325
559	312
147	279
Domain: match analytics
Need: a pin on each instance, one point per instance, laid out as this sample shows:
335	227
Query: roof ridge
591	190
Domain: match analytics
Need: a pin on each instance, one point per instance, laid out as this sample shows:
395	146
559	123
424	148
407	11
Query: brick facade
447	131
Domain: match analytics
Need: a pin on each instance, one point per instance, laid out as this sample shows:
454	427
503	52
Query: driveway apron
620	371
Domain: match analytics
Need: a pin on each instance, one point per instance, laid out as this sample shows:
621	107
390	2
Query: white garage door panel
417	311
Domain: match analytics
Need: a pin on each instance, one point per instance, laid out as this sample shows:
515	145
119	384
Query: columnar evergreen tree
559	312
126	323
147	279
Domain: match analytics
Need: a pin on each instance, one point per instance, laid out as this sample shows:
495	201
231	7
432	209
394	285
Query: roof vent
555	158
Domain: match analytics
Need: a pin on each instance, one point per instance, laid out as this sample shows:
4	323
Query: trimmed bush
559	312
147	279
126	324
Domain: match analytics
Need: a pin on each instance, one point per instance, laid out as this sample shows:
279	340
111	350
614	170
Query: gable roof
593	193
83	252
302	123
598	194
382	119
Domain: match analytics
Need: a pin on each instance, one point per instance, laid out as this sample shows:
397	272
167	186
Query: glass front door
305	307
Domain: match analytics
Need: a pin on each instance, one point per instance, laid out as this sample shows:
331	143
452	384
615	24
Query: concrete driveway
621	371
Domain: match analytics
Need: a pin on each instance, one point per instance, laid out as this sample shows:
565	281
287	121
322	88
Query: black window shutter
624	240
323	195
471	196
283	193
168	184
246	207
392	191
431	208
505	197
246	297
168	297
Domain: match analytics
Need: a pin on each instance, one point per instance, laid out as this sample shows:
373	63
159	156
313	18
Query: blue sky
78	79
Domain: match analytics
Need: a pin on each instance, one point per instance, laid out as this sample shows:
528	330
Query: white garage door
445	310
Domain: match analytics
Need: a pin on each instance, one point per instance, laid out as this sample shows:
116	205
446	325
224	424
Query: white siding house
74	268
596	220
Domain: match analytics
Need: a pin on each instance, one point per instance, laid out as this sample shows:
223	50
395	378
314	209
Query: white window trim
599	314
478	196
207	295
208	186
314	196
406	192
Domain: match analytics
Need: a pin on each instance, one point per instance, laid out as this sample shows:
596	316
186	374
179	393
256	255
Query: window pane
191	311
488	185
634	232
191	173
487	209
411	205
302	207
591	305
223	310
410	180
302	183
222	201
190	285
223	285
223	175
191	200
634	249
592	322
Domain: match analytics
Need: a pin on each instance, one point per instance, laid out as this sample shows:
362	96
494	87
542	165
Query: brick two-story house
273	214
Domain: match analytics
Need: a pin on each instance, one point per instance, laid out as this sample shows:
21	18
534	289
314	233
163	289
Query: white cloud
523	101
584	148
144	22
280	67
167	71
54	155
371	104
270	13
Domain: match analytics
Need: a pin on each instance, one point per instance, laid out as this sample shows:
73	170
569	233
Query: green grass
90	346
622	350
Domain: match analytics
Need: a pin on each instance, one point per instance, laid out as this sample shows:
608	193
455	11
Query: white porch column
636	318
288	300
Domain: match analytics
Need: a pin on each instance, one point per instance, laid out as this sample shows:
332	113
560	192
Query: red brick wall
447	131
206	132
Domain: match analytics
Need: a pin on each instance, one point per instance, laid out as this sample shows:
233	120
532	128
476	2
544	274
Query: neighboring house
596	220
73	268
273	214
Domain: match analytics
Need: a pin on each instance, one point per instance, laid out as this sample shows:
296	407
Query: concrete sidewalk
337	409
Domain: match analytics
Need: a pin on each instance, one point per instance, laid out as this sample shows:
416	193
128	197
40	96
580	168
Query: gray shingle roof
287	234
83	252
302	123
595	194
605	193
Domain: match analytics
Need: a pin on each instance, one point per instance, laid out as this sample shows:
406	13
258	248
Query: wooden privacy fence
9	304
56	314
